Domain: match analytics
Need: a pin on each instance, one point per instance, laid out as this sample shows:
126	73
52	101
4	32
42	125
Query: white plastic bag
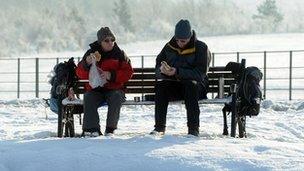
95	78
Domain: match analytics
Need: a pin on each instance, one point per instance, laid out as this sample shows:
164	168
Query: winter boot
109	131
91	133
193	131
158	131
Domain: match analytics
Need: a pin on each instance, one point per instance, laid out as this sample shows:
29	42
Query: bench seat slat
138	76
219	68
217	75
131	102
140	90
152	83
151	90
140	83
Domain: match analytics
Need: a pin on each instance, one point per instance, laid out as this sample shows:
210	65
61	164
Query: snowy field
275	138
275	141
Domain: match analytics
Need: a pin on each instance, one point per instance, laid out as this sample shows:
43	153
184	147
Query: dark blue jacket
191	63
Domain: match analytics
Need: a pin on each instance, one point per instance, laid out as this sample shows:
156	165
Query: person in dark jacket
116	69
181	69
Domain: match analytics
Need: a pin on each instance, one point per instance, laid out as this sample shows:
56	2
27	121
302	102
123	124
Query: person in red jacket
115	69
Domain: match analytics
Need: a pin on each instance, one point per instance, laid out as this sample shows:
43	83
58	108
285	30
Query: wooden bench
142	85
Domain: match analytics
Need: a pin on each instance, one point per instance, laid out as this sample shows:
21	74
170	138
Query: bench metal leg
69	122
233	115
242	126
60	122
237	119
65	121
225	129
60	118
80	121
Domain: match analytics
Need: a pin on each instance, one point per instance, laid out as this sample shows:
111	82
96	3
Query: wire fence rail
29	75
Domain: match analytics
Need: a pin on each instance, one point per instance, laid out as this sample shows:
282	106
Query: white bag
95	78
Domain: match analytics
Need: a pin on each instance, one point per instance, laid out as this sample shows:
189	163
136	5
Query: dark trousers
93	100
166	91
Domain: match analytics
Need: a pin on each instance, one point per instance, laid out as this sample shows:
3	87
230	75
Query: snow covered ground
275	141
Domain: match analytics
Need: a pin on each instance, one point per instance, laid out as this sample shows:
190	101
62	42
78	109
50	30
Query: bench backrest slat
143	81
138	76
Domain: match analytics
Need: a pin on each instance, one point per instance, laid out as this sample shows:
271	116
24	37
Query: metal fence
283	72
277	67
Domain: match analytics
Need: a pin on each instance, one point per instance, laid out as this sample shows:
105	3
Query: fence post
18	78
37	77
212	59
264	74
237	57
290	75
142	86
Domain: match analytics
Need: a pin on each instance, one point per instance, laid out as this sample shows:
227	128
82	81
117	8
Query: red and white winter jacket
114	61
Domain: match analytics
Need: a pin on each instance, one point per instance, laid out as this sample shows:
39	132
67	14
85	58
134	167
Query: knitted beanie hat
103	33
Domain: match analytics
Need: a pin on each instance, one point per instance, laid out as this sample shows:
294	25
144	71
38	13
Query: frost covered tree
38	26
121	10
268	17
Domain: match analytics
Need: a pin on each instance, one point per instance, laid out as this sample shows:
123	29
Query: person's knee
116	96
190	85
88	96
161	84
162	87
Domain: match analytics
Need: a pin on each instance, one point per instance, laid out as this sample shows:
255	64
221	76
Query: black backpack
248	94
64	77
